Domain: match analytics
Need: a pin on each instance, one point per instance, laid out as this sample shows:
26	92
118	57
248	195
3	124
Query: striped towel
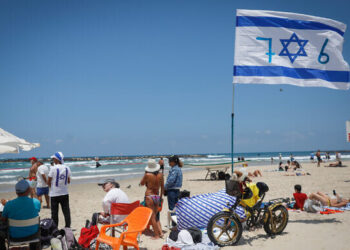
197	210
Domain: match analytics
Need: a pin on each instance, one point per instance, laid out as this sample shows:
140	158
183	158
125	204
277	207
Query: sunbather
335	164
256	173
334	201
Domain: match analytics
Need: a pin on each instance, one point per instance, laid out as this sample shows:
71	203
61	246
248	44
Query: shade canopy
10	143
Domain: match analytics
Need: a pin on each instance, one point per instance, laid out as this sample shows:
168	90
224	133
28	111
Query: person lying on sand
297	174
334	201
256	173
335	164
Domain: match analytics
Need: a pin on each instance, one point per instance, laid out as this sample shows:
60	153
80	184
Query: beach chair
121	209
215	170
25	241
136	222
171	218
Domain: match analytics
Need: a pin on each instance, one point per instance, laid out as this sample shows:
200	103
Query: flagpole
232	127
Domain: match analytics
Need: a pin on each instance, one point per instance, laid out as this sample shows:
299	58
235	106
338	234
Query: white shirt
59	182
115	195
42	170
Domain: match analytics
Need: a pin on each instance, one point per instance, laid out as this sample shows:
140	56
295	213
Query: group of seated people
331	201
291	166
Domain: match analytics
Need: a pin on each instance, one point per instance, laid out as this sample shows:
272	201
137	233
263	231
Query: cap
22	186
33	159
101	183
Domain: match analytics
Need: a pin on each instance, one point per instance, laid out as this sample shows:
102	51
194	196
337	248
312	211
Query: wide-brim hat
152	166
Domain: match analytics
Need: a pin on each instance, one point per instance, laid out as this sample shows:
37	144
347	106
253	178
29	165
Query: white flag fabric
10	143
288	48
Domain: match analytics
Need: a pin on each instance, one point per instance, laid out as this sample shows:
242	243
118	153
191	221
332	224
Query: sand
304	230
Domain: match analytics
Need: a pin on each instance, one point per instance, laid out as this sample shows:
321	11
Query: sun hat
22	186
59	156
152	166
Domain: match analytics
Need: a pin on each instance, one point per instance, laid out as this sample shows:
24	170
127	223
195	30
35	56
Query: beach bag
69	240
213	176
184	194
196	234
87	235
221	175
48	230
312	206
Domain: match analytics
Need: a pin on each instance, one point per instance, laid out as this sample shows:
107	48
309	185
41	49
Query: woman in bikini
328	201
153	180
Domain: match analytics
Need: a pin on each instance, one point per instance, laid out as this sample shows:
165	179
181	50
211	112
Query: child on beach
299	197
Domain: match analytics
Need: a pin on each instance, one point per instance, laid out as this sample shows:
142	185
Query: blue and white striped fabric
288	48
197	210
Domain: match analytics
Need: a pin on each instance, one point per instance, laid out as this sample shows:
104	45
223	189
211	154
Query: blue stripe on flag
298	73
263	21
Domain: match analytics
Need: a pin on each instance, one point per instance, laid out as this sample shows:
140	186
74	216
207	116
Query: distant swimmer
97	163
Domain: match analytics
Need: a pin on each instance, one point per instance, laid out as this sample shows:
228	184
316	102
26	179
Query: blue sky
146	77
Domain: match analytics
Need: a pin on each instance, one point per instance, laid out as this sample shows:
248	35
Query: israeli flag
288	48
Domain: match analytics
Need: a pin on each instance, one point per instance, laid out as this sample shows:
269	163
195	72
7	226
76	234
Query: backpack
48	229
68	240
87	235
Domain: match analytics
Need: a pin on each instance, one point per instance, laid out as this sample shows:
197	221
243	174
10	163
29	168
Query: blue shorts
42	191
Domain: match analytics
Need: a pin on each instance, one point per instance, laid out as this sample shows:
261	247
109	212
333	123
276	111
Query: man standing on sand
59	178
319	160
42	187
153	180
32	175
161	164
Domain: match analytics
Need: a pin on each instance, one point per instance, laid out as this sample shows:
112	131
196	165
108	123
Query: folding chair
171	218
17	242
136	221
121	209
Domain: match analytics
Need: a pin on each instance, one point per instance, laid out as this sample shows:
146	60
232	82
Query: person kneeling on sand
299	197
114	195
334	201
153	179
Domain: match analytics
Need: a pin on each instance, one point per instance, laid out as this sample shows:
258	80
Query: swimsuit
155	199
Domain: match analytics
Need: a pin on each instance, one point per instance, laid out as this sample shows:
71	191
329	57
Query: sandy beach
311	231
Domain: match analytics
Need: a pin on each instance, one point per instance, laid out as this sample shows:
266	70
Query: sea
86	171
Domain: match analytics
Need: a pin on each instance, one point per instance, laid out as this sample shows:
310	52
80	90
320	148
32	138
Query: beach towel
346	208
197	210
206	244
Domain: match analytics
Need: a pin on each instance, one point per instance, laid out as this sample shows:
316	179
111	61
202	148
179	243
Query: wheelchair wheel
224	229
278	222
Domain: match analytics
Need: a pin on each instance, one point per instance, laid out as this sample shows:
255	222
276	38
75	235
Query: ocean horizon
123	167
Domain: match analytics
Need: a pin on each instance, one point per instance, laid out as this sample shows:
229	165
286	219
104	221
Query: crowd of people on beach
52	183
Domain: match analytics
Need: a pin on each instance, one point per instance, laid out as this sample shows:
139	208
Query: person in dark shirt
299	197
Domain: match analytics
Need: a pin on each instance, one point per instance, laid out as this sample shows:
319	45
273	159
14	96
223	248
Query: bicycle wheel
278	222
224	229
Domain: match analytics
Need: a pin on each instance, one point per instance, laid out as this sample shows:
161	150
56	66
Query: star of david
293	39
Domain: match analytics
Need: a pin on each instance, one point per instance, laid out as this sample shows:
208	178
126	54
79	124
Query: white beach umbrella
10	143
